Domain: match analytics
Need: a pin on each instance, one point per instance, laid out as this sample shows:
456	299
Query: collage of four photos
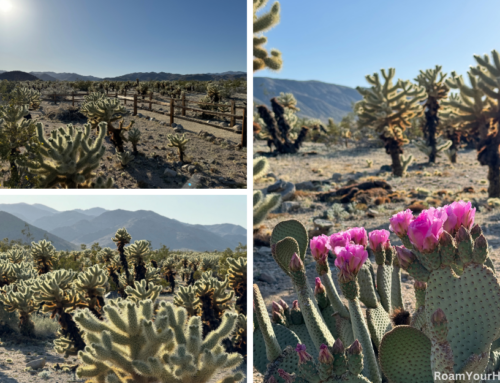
288	192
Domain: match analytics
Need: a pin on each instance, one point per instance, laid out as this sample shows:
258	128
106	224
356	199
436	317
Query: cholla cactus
280	129
138	253
179	142
388	108
478	112
26	96
57	297
109	111
112	262
433	80
134	135
186	297
92	284
440	145
169	270
17	254
21	301
43	254
169	349
262	206
121	238
237	273
125	158
68	158
143	291
16	133
261	24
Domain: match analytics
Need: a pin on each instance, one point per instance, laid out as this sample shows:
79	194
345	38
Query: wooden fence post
125	96
73	99
233	111
244	129
150	98
135	105
183	104
171	111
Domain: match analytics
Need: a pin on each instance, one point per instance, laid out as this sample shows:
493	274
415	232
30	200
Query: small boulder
169	173
37	364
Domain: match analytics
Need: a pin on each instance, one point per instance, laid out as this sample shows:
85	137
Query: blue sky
193	209
341	42
115	37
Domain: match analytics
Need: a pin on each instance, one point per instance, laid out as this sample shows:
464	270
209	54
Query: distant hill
143	224
17	75
162	76
44	76
99	225
26	212
315	99
11	227
66	76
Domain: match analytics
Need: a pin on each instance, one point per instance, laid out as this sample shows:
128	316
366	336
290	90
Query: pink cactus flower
425	230
405	256
319	288
286	376
379	240
303	355
325	355
319	248
358	236
400	222
276	307
296	263
349	261
459	214
341	239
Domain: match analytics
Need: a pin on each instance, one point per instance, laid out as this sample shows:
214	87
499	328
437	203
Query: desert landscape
213	152
144	279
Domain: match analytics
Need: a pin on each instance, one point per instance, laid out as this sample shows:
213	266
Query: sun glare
5	6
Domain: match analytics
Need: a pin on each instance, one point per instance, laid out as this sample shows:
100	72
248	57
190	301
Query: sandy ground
16	351
215	163
351	164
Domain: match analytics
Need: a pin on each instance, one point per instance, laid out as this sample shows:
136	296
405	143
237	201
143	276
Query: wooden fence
181	104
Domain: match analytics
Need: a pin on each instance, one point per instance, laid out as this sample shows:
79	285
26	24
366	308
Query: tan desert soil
351	163
23	350
219	164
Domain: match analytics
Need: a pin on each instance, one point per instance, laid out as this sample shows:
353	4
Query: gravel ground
331	168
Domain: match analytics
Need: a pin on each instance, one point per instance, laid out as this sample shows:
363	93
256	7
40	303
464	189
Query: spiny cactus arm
396	292
265	205
260	167
324	273
315	323
273	349
383	258
141	291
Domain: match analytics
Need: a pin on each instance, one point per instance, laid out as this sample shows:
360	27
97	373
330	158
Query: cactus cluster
262	23
321	339
179	142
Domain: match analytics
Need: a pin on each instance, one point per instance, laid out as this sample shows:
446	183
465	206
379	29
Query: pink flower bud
349	261
276	307
319	288
303	355
341	239
424	231
295	305
405	256
379	239
358	236
283	304
355	348
325	355
459	214
400	222
286	376
319	248
272	379
296	263
338	347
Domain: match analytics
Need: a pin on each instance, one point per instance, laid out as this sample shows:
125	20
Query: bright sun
5	6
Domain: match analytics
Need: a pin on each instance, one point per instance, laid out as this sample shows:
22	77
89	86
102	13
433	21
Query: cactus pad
283	252
379	323
294	229
471	304
405	356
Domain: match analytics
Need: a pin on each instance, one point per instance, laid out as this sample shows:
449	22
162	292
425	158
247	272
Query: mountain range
315	99
69	229
162	76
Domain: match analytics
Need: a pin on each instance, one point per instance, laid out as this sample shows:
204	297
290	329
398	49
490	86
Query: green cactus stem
179	142
261	24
